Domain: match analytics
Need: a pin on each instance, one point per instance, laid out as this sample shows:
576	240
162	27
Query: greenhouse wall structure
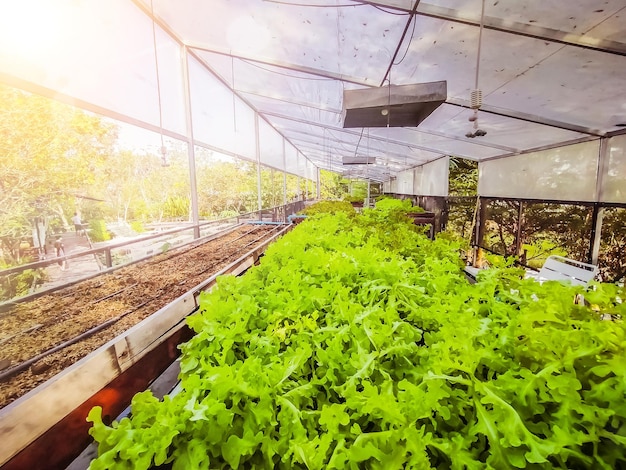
263	82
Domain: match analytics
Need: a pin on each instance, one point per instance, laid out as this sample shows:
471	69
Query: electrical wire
158	83
294	4
355	4
480	40
406	28
387	11
408	46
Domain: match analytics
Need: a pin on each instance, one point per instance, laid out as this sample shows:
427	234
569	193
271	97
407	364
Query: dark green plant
98	231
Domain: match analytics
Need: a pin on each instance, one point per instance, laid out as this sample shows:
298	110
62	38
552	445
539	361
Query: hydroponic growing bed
48	423
117	301
358	343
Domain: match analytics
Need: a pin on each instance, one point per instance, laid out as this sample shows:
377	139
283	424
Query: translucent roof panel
281	84
505	135
560	81
580	18
351	40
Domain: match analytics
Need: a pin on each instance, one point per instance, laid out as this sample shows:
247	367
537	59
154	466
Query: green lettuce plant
358	343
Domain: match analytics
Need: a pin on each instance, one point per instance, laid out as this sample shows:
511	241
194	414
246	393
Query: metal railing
105	257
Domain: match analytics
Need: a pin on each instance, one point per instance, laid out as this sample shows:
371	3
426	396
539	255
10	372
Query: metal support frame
283	65
568	126
191	151
284	173
299	186
598	211
319	184
518	237
257	142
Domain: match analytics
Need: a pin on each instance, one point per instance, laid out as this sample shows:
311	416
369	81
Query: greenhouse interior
311	234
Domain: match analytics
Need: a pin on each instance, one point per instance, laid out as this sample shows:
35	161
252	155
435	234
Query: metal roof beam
284	65
580	140
380	139
528	117
393	141
343	150
420	131
291	101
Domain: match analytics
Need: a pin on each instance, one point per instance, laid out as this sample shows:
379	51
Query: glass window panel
311	171
566	173
271	187
301	166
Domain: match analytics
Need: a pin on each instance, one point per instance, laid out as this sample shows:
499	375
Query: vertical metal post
518	237
596	234
319	183
299	186
481	215
191	153
257	141
598	212
284	174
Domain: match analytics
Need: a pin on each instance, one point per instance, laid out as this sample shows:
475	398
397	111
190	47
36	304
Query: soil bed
141	289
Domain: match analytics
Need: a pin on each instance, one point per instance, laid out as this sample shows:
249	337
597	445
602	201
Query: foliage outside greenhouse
358	343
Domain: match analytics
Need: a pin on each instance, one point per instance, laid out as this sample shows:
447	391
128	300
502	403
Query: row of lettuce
358	343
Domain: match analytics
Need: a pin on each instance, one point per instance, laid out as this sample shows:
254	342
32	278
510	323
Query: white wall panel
614	180
404	182
565	173
291	159
98	52
431	179
218	119
271	144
